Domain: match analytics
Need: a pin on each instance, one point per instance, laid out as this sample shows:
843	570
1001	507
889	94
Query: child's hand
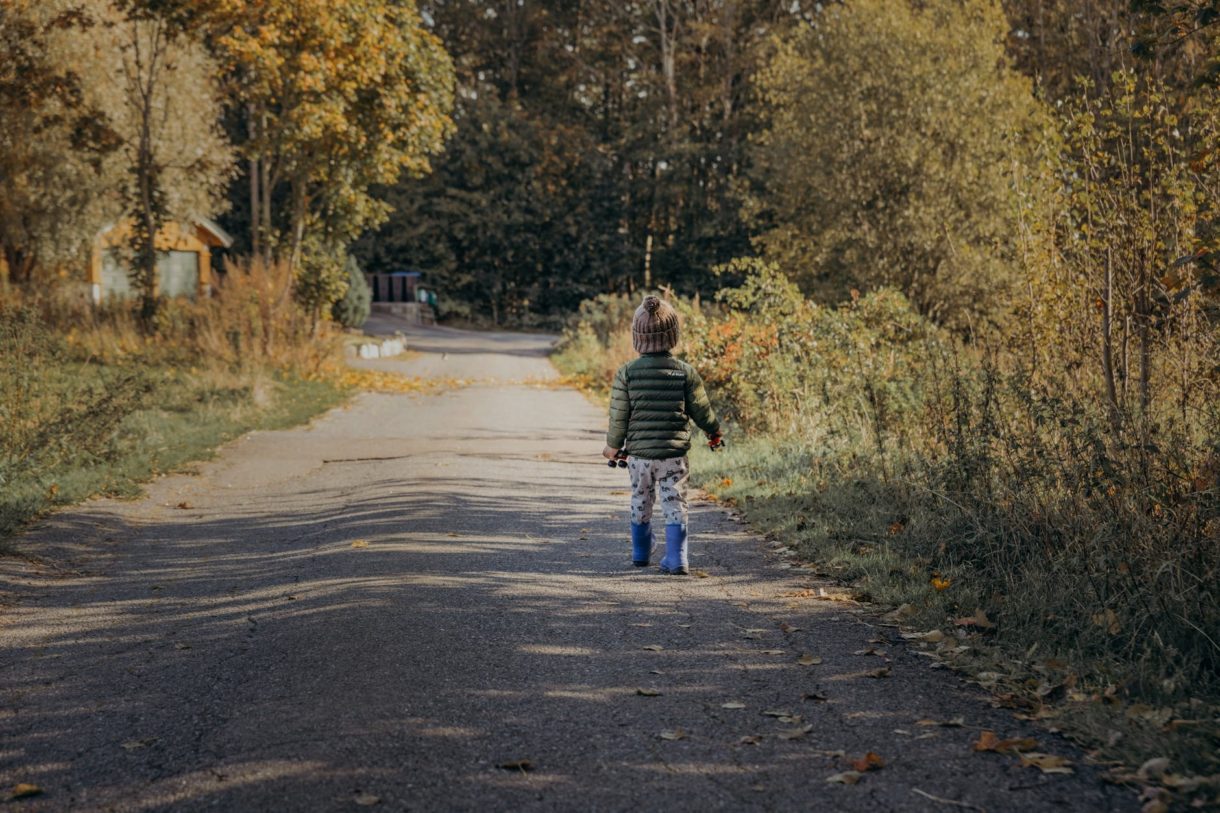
714	442
609	452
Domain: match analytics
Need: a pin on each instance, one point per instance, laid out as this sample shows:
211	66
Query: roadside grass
94	403
167	418
877	539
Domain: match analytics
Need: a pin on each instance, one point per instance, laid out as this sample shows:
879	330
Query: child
652	404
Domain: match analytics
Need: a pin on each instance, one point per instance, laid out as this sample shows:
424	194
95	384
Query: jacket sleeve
698	406
620	410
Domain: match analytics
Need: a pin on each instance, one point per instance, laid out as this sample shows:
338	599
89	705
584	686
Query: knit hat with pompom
654	328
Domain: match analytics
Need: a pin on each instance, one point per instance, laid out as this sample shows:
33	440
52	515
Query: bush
352	311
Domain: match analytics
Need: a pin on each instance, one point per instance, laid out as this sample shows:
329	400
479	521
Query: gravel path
389	606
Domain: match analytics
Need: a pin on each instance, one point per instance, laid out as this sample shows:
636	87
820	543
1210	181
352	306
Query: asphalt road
425	602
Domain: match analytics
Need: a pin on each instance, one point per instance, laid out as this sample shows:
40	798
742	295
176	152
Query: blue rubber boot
641	544
675	563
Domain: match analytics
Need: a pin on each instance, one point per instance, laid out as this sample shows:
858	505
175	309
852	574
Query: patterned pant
671	475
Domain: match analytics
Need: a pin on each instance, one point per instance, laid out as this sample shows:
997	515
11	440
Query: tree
338	97
896	155
176	157
56	140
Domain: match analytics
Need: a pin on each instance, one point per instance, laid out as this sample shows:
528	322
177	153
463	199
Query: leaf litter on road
794	733
516	765
869	762
988	741
808	660
1047	763
24	790
648	692
673	734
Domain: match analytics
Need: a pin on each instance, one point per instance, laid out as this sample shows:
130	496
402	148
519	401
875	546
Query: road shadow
408	639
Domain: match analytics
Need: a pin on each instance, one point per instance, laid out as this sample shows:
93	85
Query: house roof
214	229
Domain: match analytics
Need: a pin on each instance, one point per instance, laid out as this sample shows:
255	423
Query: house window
115	282
178	273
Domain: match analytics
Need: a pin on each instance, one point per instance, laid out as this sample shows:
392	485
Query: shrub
352	311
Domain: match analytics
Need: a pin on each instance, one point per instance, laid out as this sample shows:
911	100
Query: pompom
651	304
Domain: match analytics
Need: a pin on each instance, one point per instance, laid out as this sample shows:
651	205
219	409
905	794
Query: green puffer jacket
652	404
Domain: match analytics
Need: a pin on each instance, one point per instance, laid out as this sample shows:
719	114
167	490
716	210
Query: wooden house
184	261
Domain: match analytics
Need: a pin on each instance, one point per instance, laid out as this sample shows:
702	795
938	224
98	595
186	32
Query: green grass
171	418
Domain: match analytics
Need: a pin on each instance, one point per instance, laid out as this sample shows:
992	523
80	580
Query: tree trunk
298	223
1107	340
255	198
265	185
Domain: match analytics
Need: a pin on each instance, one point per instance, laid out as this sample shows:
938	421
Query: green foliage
321	278
352	309
591	145
912	174
596	341
511	219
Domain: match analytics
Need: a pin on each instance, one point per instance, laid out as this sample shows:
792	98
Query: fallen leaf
832	595
794	733
673	734
366	799
648	692
791	720
732	704
1047	763
878	673
871	651
869	762
788	628
360	543
771	652
653	647
516	765
988	741
845	778
808	660
956	722
1154	768
931	636
1108	620
750	739
816	696
940	584
774	713
700	574
979	619
185	506
181	645
135	745
24	790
